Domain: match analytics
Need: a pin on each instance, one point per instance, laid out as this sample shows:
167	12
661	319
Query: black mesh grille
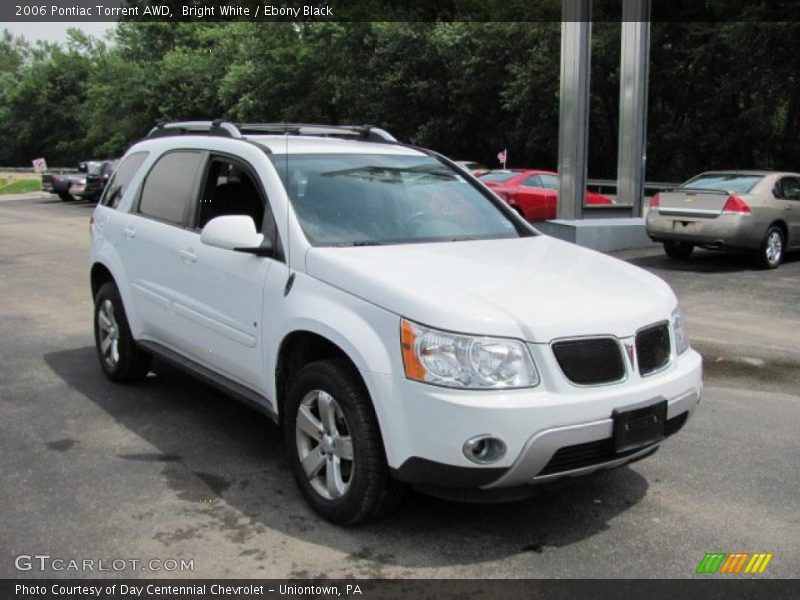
589	454
652	348
589	362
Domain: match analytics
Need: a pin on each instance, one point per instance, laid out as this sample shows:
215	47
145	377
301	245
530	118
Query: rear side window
167	191
532	182
732	183
121	178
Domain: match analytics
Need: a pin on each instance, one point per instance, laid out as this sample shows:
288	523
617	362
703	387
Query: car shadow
226	460
706	261
46	199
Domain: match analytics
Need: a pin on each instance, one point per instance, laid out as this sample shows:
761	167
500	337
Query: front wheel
770	253
334	445
121	359
678	250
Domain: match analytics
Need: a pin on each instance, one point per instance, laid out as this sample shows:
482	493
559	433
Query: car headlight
679	331
465	361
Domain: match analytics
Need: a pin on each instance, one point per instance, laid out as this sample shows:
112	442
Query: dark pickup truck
87	183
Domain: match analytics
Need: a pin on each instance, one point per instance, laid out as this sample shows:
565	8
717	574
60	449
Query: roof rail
227	129
364	132
216	127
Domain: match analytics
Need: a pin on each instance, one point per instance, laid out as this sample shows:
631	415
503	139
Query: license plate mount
639	426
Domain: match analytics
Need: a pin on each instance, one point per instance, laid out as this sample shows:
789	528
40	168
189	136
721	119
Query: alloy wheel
774	247
109	333
324	444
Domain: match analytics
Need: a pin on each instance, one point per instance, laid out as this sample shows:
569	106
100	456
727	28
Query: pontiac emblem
629	350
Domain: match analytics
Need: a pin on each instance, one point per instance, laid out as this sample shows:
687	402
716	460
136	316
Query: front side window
731	183
121	178
167	191
229	190
347	199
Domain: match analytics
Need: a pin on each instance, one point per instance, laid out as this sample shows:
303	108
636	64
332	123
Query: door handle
129	232
188	255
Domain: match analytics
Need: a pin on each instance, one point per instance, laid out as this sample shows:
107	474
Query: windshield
497	176
354	200
726	182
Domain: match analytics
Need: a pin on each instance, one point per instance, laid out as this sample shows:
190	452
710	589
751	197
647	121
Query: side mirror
235	232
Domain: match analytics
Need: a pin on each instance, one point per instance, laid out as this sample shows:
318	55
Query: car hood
536	289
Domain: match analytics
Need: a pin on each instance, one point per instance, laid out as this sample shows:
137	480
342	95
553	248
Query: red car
532	193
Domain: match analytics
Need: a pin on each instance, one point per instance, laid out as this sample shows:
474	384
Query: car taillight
735	206
655	202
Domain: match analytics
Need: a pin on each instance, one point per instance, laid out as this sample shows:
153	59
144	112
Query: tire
678	250
120	358
348	479
770	254
66	197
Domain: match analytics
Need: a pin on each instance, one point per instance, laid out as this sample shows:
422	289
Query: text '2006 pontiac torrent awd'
400	322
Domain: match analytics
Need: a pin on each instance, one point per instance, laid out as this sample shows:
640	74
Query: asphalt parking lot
172	469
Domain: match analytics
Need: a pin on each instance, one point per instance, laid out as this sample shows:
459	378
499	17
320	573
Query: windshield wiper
358	244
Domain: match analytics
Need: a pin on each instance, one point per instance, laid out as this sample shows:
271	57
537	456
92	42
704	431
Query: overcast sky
54	32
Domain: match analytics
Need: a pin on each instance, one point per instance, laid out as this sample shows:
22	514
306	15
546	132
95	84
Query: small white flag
502	156
39	165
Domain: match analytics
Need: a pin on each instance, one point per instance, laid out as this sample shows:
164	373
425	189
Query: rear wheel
334	445
122	360
770	253
66	196
678	250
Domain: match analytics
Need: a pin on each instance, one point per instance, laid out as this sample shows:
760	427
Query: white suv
400	322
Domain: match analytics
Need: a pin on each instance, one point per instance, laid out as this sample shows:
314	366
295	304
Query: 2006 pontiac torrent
400	322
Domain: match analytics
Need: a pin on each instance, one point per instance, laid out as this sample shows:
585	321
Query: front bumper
534	424
588	447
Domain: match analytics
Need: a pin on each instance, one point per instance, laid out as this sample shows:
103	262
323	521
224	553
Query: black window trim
193	197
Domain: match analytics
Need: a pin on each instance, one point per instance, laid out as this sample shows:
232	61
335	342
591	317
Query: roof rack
227	129
216	127
364	132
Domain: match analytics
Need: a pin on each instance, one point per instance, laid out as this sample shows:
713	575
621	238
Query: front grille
652	348
591	361
598	452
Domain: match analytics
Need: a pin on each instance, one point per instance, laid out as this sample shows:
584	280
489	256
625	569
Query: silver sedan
757	211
